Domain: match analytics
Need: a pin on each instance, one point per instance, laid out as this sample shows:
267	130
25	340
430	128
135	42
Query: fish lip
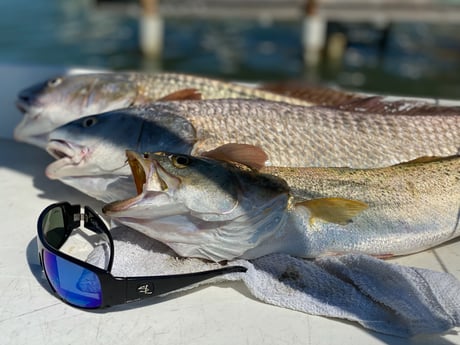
66	154
32	108
151	181
60	148
121	205
23	106
26	131
149	175
21	133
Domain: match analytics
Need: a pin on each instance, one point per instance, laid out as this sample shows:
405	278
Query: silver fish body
291	136
219	211
57	101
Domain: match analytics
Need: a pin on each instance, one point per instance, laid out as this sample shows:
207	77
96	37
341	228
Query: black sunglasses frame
116	290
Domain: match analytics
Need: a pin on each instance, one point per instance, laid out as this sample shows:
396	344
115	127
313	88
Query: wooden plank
345	11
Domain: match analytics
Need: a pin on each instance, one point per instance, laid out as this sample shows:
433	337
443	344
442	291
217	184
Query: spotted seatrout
217	210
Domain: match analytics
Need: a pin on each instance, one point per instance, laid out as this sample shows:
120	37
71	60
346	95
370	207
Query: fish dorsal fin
249	155
316	94
334	210
182	95
383	106
420	160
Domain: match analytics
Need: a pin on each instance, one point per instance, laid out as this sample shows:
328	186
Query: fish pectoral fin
334	210
252	156
182	95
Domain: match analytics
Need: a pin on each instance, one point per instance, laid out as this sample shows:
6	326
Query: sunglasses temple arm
143	287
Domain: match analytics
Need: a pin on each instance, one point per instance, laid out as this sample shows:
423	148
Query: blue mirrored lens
75	284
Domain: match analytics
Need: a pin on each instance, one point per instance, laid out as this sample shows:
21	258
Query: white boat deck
220	314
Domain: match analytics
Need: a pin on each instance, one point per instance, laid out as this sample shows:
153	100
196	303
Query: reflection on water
417	59
65	32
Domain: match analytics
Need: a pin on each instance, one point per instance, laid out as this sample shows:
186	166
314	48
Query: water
412	59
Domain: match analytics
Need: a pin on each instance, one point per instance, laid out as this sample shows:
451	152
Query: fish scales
316	136
155	86
403	183
90	151
407	202
59	100
218	211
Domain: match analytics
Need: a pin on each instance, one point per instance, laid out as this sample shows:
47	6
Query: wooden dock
315	15
442	11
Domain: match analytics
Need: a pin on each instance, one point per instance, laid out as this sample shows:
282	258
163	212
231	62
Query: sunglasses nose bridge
79	217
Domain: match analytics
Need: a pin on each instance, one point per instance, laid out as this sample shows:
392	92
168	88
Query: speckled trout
59	100
217	210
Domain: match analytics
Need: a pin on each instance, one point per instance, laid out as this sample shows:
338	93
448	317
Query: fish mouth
149	175
37	139
23	106
33	109
67	155
27	130
151	181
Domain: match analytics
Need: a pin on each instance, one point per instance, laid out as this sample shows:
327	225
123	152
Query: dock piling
313	34
151	29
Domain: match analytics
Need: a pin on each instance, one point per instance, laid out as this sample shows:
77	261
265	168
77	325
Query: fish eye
89	122
54	82
180	162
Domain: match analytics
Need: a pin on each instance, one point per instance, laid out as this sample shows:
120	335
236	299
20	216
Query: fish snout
27	98
68	157
23	105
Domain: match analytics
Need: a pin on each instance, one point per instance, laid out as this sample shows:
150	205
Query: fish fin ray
426	159
334	210
252	156
317	95
383	106
182	95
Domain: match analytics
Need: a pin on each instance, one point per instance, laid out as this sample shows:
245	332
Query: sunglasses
83	285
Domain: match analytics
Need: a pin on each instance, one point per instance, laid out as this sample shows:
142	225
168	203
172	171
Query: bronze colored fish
217	210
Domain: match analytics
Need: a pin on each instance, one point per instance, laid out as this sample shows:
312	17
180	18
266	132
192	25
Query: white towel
382	296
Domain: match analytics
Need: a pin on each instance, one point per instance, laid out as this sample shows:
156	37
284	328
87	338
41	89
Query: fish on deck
217	210
54	102
94	147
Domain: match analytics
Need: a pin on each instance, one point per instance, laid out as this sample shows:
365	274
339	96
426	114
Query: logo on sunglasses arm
145	289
